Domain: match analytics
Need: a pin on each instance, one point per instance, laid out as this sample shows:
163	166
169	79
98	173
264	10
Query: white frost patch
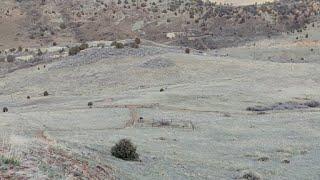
25	58
96	43
171	35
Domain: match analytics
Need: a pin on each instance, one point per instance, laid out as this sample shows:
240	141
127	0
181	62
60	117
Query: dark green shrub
125	150
113	43
187	51
137	40
84	46
63	26
119	45
39	53
134	45
5	109
9	161
101	45
90	104
45	93
74	50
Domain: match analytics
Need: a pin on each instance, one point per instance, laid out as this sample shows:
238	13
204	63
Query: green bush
134	45
74	50
45	93
9	161
113	43
101	45
5	109
137	40
83	46
125	150
119	45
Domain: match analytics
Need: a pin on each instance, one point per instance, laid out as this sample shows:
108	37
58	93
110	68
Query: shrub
28	97
250	175
63	26
161	90
39	53
312	104
137	40
11	58
83	46
187	51
134	45
10	161
90	104
125	150
5	109
74	50
61	50
119	45
113	43
101	45
45	93
164	123
20	49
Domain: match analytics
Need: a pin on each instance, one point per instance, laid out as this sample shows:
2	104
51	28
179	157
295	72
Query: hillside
185	23
233	104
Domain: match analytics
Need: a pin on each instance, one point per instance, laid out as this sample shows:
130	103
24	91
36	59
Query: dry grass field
246	111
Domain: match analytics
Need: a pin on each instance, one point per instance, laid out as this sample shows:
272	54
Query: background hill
197	24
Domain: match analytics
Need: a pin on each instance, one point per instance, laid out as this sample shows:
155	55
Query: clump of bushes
125	150
74	50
